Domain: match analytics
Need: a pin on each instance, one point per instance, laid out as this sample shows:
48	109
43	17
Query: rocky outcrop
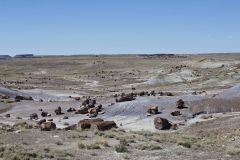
162	123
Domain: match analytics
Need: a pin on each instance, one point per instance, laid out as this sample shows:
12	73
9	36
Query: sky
119	26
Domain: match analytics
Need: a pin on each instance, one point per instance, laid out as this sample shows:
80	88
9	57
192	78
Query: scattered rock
7	115
91	103
86	123
19	98
152	93
85	102
93	115
58	111
174	126
71	109
123	98
169	94
33	116
99	107
44	114
98	123
77	98
176	113
47	126
153	110
162	123
194	93
142	93
180	104
65	117
41	121
165	94
82	110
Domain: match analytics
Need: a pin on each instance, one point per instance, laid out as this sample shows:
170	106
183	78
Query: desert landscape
114	107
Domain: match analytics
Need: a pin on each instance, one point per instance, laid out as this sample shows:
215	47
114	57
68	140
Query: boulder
123	98
174	126
153	110
162	123
33	116
41	121
142	93
77	98
85	102
47	126
180	104
165	94
91	103
58	111
19	98
71	109
44	114
152	93
176	113
99	107
7	115
169	94
87	123
65	117
82	110
93	110
106	125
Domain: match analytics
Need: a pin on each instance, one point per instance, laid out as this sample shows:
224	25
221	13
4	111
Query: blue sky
119	26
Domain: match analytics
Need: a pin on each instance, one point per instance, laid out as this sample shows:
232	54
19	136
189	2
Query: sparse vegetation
149	147
185	144
93	146
81	145
122	146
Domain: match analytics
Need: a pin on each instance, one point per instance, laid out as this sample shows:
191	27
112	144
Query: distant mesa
3	57
24	56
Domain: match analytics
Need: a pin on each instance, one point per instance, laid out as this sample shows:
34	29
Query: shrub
121	147
185	144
